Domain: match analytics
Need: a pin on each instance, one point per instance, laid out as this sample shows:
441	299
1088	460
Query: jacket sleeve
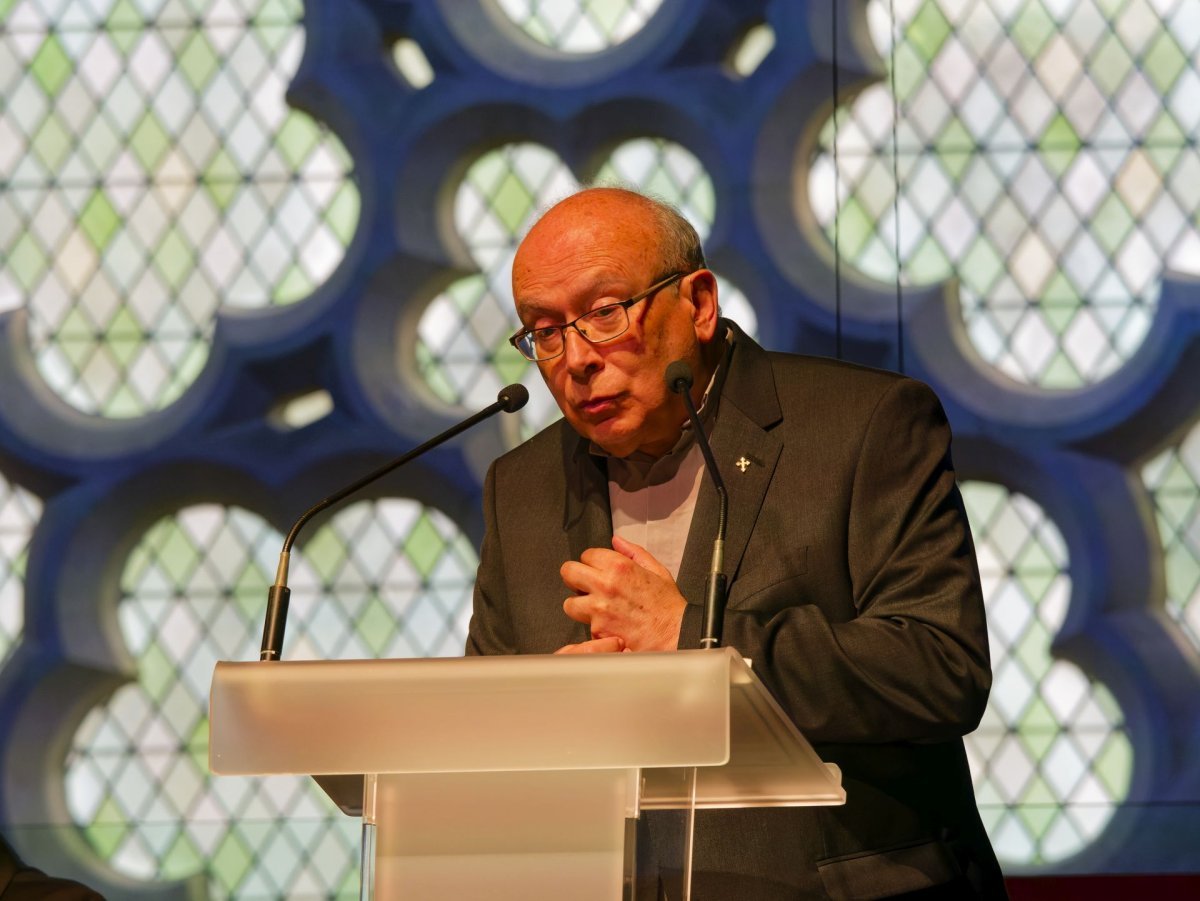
490	630
910	661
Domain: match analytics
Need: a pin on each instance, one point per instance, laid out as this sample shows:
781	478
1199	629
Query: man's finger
577	576
599	557
579	608
640	556
610	645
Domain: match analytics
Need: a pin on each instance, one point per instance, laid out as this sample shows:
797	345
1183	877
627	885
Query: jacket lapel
746	456
747	453
587	519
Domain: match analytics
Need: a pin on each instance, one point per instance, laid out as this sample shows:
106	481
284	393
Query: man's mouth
596	406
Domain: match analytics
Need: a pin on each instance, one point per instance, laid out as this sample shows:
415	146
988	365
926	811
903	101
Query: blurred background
251	248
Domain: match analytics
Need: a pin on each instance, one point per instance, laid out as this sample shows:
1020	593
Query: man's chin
608	434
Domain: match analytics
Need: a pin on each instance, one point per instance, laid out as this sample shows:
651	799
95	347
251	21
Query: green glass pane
343	213
909	73
510	366
1033	28
221	179
149	141
52	142
956	143
26	262
125	18
182	859
1059	144
326	553
376	625
424	547
174	258
928	30
198	61
156	672
1183	571
124	337
928	263
51	66
297	139
512	201
982	266
1164	62
1037	818
1114	765
1061	373
294	285
105	837
1110	65
231	861
854	228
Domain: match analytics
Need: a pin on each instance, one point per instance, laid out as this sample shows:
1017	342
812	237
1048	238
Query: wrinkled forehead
594	222
568	288
566	261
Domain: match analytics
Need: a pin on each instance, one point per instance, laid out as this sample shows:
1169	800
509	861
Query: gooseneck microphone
679	380
510	399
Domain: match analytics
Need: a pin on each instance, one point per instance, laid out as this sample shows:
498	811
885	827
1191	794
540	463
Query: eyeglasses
596	326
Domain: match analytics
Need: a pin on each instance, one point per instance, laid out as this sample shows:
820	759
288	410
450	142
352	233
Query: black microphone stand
679	380
511	398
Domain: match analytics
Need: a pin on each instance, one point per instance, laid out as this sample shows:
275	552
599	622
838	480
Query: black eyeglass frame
516	339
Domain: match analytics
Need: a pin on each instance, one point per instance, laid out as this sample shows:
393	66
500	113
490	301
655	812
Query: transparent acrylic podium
515	777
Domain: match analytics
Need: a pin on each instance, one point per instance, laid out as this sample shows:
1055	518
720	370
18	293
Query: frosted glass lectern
513	777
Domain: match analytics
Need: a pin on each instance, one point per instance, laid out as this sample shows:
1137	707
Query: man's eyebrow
534	309
600	287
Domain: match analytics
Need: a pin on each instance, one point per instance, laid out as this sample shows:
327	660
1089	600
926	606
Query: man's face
596	250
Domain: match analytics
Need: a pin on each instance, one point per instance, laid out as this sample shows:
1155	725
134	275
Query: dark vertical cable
896	185
837	188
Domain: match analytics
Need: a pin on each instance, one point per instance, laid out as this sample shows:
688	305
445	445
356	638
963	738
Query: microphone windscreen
512	397
679	376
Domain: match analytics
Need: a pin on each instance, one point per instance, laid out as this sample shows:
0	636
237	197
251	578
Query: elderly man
853	585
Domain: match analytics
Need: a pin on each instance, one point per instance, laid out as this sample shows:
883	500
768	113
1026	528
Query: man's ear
701	287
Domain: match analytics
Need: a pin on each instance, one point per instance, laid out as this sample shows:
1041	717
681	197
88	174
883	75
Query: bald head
609	215
637	263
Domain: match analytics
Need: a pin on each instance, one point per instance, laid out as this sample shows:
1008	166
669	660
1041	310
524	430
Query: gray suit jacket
853	588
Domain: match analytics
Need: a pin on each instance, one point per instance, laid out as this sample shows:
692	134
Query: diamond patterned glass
579	26
1045	156
463	351
1173	479
151	177
387	578
1051	759
19	513
153	173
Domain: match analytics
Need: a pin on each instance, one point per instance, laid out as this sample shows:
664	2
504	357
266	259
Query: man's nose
580	354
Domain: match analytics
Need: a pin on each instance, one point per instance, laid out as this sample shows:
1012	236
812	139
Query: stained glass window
579	26
1173	478
152	176
19	513
387	578
153	172
1043	154
1051	759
